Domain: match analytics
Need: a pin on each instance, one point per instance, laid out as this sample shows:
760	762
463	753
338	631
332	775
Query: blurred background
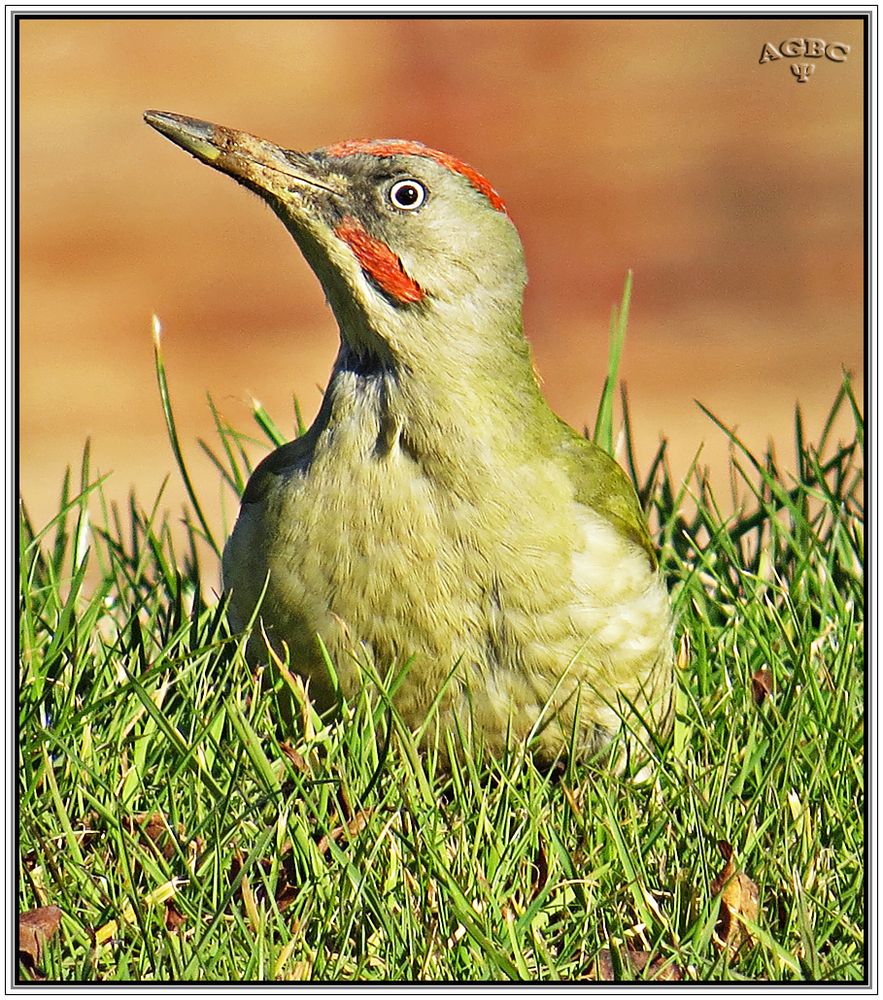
733	191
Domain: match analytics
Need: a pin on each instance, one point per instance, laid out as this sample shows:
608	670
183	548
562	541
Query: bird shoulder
602	484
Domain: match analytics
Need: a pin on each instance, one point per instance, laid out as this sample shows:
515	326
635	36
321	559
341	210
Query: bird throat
364	389
363	362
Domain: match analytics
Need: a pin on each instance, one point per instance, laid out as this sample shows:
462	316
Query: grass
186	833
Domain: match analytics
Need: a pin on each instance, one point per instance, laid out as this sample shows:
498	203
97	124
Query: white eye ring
407	195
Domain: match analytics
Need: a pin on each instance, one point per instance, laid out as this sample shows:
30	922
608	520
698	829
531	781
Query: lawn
173	826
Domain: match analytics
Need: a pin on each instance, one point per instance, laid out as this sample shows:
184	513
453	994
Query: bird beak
309	198
272	172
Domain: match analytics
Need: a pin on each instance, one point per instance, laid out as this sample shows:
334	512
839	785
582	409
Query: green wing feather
602	484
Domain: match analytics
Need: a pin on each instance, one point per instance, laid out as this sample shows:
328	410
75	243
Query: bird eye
407	195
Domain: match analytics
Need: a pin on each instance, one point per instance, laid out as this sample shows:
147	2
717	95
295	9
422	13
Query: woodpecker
438	520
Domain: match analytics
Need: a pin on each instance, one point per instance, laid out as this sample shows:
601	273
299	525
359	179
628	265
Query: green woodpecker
437	516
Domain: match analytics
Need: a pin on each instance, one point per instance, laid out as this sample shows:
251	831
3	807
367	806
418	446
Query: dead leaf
174	917
35	928
571	800
286	891
287	886
155	828
343	803
634	963
297	760
739	898
541	866
90	830
762	684
355	825
250	903
682	660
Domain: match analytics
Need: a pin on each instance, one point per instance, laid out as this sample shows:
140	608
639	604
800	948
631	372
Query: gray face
450	239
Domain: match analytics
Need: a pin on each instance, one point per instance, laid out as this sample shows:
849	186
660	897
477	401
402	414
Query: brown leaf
635	964
286	893
90	828
287	886
355	825
739	897
571	800
762	684
541	865
174	917
298	761
35	928
155	828
682	660
250	903
343	803
604	970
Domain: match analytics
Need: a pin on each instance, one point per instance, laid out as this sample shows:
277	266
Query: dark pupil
407	194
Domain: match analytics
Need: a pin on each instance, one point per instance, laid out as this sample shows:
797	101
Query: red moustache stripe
378	261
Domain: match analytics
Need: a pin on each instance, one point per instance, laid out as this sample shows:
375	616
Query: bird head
415	250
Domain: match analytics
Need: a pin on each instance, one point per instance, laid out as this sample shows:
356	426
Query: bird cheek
380	264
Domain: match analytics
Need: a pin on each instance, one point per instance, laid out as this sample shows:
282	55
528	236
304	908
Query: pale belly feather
553	642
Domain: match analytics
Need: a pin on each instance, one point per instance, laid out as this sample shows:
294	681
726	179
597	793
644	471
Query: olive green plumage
437	513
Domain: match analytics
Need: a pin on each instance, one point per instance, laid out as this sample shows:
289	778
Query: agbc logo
804	48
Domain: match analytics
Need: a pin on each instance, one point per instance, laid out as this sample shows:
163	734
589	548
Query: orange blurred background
733	191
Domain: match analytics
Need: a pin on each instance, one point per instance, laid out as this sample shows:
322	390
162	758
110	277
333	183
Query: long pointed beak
306	193
269	170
